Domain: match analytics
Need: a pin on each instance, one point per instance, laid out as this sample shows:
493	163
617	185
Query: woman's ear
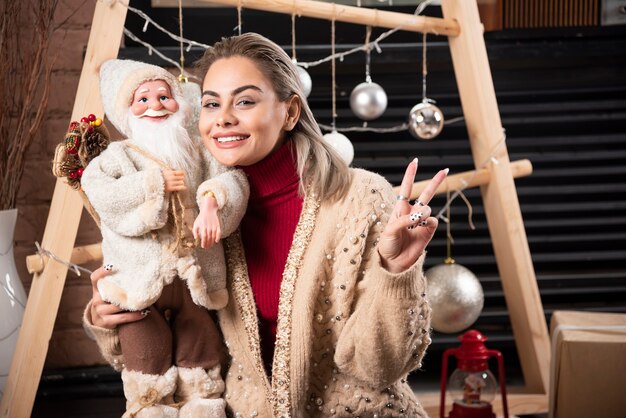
294	105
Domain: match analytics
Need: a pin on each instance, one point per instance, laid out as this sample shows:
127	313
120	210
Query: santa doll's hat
118	81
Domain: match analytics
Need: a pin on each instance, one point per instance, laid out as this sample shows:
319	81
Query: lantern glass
472	388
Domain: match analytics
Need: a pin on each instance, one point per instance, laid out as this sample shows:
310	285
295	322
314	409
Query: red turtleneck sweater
267	232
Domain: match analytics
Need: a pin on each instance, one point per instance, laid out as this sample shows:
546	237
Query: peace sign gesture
410	227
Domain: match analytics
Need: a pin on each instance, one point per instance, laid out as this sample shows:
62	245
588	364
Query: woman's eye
245	102
211	105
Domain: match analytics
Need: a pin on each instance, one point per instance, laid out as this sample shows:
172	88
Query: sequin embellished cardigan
349	331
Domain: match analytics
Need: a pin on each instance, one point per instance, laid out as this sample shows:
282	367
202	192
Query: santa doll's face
153	101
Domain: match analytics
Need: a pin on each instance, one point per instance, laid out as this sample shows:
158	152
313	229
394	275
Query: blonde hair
319	166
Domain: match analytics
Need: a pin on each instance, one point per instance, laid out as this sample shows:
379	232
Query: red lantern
472	385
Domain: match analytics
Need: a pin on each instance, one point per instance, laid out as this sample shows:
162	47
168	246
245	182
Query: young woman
327	311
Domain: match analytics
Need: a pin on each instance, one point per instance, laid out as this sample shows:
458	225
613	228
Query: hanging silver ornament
341	144
305	80
425	120
455	295
368	100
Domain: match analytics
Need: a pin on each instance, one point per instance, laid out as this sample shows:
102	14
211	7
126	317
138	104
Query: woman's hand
410	227
207	227
105	314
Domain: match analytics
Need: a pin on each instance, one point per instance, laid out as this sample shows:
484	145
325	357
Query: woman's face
242	121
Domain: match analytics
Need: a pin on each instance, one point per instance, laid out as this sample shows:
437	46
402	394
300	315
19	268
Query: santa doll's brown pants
175	332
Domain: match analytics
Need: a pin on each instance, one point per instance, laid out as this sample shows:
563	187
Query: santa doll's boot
146	394
200	392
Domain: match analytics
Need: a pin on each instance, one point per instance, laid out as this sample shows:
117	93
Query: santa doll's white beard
167	140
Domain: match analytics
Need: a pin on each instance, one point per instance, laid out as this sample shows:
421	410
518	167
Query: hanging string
375	43
424	67
372	44
490	159
293	36
239	17
449	239
470	210
75	267
391	129
182	78
161	28
333	69
368	34
150	49
177	207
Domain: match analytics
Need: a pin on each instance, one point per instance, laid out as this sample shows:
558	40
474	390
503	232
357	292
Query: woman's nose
226	118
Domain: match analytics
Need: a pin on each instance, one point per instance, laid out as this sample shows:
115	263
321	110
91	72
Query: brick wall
69	345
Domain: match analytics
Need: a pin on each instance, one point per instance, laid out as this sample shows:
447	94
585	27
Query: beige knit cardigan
349	331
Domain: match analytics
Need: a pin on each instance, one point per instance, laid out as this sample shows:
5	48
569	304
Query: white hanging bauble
368	100
192	92
425	120
305	80
341	144
455	296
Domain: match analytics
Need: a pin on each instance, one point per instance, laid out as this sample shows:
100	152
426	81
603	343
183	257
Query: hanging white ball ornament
305	80
425	120
455	295
192	92
341	144
368	100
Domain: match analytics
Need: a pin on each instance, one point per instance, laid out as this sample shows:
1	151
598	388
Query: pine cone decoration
84	141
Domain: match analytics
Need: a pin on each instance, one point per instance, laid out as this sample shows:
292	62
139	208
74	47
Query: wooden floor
112	408
97	393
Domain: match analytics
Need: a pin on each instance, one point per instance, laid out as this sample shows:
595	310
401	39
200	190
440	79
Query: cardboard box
588	370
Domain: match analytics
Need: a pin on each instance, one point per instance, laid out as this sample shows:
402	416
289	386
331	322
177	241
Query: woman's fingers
407	181
418	216
98	274
104	308
430	189
105	314
108	315
421	211
406	186
111	318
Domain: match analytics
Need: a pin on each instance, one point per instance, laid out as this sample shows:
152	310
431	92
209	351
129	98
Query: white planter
12	295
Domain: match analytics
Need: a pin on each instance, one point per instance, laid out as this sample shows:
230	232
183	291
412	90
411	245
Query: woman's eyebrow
234	92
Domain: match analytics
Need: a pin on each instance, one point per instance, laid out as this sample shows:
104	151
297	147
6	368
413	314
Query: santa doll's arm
230	188
129	202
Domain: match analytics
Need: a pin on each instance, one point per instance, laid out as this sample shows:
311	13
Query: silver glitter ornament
341	144
455	295
368	100
425	120
305	81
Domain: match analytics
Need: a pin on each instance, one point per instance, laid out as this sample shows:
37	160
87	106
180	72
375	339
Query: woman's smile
242	120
